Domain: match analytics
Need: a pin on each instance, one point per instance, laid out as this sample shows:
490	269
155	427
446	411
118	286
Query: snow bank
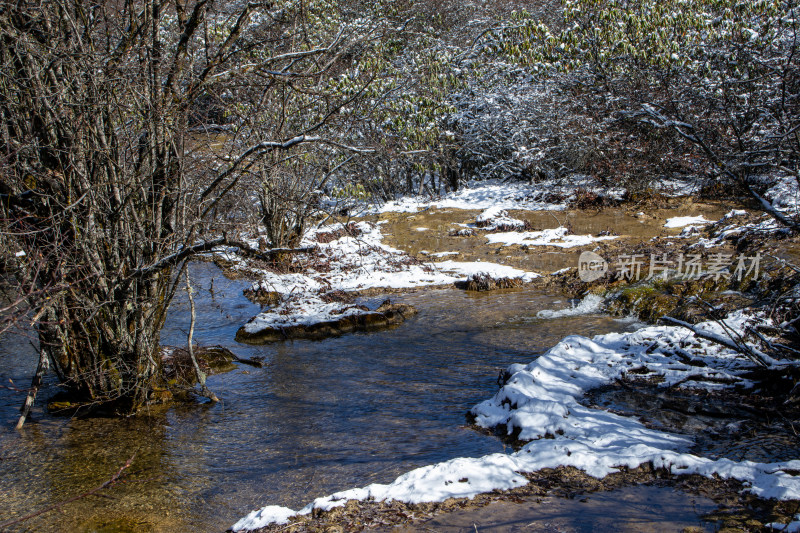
457	478
483	195
549	195
541	400
766	225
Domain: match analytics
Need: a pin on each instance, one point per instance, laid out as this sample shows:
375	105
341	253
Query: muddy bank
718	504
653	508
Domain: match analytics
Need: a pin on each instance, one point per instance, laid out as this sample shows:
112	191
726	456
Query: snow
353	264
592	303
457	478
271	514
487	194
785	195
459	269
679	222
495	217
679	186
766	225
735	213
541	399
301	311
689	232
792	527
552	195
558	237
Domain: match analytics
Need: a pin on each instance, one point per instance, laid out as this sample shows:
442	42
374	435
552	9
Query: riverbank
551	418
642	499
351	410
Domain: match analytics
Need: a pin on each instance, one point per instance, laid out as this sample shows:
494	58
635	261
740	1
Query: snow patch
495	217
792	527
785	195
558	237
271	514
734	213
679	222
460	269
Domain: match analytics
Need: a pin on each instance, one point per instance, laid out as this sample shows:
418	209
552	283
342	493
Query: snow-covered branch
754	354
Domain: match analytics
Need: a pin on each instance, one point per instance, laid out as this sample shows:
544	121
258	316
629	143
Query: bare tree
112	172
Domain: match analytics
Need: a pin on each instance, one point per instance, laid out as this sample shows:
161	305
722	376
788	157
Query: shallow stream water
321	416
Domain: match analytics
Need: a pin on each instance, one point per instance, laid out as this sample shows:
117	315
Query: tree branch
755	355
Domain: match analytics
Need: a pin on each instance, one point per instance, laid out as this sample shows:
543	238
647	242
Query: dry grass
348	230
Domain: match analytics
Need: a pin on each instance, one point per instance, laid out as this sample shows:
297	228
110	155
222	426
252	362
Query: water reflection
321	416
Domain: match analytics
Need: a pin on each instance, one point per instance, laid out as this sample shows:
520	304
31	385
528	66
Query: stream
321	416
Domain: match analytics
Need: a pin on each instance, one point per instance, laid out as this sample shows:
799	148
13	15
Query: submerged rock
387	315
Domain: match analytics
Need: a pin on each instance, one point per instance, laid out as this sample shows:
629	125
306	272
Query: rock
263	296
387	315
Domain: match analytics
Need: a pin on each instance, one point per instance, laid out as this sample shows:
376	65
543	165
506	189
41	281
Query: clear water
321	416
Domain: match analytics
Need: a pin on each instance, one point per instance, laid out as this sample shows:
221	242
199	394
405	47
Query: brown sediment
625	222
387	315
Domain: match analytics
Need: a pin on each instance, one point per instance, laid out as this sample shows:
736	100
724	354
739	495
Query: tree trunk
108	352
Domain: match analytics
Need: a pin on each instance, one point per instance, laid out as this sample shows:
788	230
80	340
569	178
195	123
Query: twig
201	376
95	490
36	383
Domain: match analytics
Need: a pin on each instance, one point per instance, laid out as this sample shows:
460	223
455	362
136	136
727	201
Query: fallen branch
751	353
267	255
